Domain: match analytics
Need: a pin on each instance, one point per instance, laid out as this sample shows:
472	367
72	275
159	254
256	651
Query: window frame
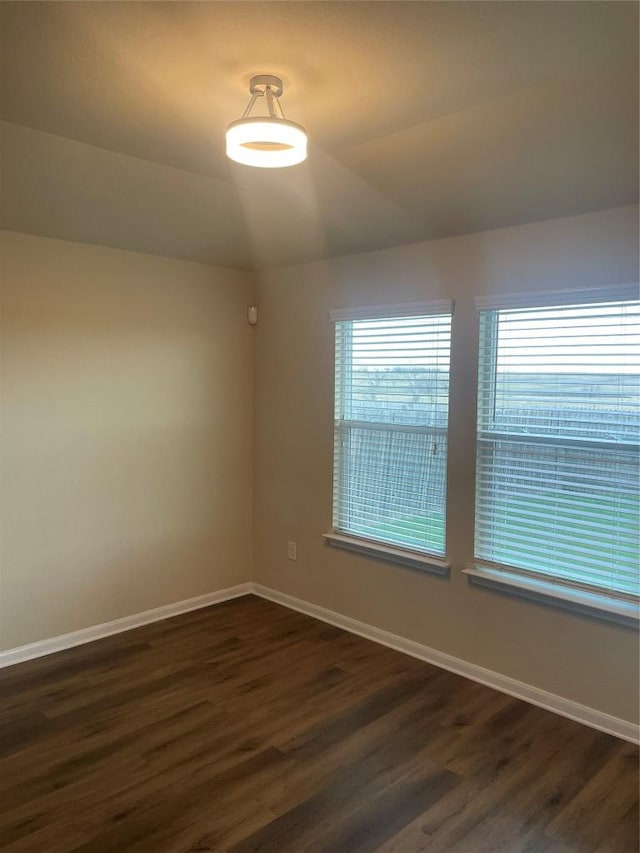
340	538
613	605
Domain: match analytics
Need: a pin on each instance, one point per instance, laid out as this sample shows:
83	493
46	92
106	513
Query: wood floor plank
248	727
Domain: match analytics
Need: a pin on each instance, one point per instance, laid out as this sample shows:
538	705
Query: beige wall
583	659
126	434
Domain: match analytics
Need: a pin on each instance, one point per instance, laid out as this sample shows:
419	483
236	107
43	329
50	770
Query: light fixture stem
250	107
269	94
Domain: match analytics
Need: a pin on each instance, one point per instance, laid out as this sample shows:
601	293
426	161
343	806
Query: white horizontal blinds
558	433
392	395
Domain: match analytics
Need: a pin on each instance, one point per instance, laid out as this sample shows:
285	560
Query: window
558	432
391	413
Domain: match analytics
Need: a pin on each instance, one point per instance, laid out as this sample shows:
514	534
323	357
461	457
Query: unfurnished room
319	426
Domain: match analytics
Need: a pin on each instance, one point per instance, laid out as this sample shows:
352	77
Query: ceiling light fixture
269	141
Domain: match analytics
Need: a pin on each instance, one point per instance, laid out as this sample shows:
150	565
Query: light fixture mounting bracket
259	84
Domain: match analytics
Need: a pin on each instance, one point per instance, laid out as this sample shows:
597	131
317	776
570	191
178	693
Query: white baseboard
534	695
126	623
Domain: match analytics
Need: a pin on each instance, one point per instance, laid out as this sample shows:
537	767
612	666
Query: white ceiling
426	119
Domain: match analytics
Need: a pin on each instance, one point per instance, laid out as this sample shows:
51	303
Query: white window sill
388	553
599	605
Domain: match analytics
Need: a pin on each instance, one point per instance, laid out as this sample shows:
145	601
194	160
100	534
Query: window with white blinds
391	413
557	487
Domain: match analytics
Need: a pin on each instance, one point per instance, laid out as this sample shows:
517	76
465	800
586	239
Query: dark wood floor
248	727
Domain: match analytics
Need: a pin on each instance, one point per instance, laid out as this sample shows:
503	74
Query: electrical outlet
291	550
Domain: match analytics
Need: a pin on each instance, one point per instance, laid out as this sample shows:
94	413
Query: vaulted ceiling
425	119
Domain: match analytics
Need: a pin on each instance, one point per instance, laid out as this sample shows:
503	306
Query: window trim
388	553
598	604
551	298
561	592
390	312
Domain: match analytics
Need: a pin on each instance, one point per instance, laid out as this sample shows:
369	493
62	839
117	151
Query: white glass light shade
270	143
